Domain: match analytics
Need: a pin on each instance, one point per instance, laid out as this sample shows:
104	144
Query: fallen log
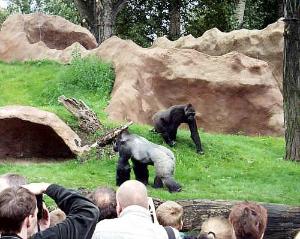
88	120
109	136
112	134
283	220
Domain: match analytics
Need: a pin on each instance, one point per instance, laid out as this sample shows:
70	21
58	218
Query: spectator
249	220
216	227
16	180
18	213
169	214
105	199
56	216
134	219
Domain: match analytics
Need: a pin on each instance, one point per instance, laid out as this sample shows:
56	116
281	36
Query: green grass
234	167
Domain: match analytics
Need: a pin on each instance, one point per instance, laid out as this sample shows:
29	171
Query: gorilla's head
120	140
189	112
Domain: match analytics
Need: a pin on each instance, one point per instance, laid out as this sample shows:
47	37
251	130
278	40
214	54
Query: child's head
170	213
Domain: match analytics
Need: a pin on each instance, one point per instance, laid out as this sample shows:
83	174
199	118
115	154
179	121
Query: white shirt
134	222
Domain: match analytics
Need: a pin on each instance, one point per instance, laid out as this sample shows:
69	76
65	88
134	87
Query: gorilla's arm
195	136
123	168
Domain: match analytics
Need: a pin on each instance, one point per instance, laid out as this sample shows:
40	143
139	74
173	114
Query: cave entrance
25	139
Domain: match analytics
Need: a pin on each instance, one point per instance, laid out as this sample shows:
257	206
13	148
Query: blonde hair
170	213
298	235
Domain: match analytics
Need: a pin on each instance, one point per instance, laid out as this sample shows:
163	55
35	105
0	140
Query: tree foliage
3	15
64	8
144	20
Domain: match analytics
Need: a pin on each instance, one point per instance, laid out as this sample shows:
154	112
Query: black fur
140	171
167	122
158	182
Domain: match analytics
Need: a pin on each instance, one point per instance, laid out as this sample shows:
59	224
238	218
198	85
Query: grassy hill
233	167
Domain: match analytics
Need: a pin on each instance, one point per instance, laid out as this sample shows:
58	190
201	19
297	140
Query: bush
90	74
83	77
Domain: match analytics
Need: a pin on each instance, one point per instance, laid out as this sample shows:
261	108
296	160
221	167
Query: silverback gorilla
167	122
143	153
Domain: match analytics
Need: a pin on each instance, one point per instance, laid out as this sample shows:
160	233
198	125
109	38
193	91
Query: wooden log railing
283	220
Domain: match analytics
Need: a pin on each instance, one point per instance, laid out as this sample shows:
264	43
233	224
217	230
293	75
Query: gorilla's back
142	148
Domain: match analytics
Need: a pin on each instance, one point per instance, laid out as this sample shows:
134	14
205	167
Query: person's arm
82	215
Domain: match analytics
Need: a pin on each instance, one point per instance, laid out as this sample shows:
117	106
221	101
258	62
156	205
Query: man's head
170	213
105	199
249	220
56	216
18	210
11	180
131	192
216	227
14	180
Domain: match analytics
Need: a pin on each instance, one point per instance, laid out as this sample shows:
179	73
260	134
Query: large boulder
39	36
233	93
265	44
29	132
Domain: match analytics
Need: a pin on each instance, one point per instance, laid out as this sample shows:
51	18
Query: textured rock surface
265	44
233	93
39	36
29	132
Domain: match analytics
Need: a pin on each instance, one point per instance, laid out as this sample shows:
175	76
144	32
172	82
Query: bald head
132	192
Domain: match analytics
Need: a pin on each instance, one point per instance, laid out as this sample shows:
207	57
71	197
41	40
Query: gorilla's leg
171	184
141	171
158	182
123	169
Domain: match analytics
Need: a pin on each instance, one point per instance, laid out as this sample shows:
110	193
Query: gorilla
167	122
143	153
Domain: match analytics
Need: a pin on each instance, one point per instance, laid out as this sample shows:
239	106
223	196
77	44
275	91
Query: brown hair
249	220
15	205
105	199
56	216
170	213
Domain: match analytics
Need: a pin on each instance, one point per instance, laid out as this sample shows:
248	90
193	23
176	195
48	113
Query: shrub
88	73
83	77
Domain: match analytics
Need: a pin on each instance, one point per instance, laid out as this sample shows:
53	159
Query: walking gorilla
167	122
143	153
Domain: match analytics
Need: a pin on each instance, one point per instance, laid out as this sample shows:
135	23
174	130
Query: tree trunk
280	8
87	12
105	20
174	8
283	221
87	118
291	79
239	13
100	16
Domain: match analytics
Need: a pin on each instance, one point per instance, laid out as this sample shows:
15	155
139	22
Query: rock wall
38	36
265	44
232	93
232	79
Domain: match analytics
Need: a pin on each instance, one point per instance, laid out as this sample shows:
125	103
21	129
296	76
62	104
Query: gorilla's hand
201	152
172	143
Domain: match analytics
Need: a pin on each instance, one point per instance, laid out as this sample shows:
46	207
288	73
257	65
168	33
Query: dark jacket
82	215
